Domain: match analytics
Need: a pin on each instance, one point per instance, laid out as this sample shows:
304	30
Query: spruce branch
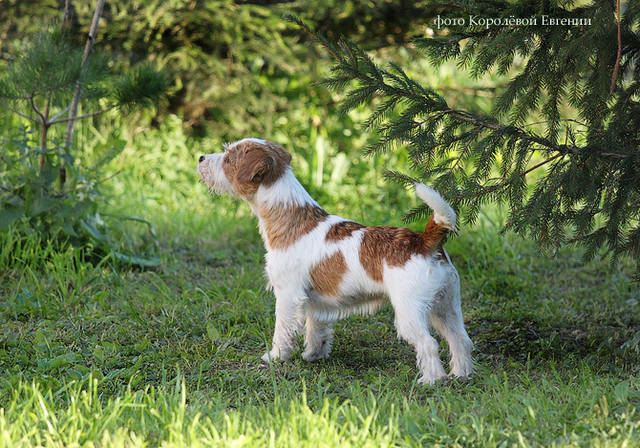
398	84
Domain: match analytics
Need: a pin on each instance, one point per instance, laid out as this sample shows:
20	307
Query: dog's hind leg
318	338
446	317
289	315
411	323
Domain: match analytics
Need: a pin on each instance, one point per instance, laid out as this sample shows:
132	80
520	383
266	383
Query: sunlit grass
493	410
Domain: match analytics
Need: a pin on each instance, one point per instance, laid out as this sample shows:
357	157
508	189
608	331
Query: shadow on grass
526	338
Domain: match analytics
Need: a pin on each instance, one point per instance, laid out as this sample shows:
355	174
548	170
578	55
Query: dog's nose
201	159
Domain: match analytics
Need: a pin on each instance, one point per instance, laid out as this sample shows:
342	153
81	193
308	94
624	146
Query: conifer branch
505	183
522	134
36	109
378	84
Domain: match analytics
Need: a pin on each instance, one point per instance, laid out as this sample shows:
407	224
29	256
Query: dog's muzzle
212	173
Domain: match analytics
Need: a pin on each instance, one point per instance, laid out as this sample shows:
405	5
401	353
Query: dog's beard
213	176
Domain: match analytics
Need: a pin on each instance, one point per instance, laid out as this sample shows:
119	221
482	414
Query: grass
106	355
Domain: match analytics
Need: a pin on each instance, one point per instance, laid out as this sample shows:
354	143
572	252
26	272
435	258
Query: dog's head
244	166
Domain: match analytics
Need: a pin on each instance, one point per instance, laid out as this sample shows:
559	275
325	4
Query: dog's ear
280	160
280	154
256	165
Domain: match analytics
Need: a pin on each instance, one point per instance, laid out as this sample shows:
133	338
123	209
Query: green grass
105	355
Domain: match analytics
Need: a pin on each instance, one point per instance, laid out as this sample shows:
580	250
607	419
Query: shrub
46	184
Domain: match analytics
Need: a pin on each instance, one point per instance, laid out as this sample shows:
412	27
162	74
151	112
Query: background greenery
96	352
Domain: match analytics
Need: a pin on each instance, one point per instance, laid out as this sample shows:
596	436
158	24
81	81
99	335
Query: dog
322	267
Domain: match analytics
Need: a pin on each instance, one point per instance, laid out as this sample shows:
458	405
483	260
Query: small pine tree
589	192
42	186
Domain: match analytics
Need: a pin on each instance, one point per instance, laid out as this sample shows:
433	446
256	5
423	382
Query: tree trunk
44	122
43	145
73	109
66	15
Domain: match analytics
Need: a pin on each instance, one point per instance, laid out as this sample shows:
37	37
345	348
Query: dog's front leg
289	304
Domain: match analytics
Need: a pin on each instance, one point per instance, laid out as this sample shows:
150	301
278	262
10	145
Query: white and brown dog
323	267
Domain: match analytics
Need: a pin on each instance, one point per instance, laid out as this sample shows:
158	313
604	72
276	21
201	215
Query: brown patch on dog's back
391	244
342	230
326	275
284	225
395	246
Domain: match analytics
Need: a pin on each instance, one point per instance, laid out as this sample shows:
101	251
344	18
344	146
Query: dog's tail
443	214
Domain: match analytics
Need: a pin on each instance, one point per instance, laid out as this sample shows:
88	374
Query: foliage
589	143
43	186
236	65
239	70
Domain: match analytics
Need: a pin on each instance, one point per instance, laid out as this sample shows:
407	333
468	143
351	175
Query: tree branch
544	162
37	110
10	109
44	127
46	109
571	120
457	114
59	114
80	117
564	149
523	174
614	75
475	91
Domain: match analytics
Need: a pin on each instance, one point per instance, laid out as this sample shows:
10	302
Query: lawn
100	353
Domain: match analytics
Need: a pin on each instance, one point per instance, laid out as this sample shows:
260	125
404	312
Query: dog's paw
314	356
432	373
431	379
268	357
462	369
273	356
